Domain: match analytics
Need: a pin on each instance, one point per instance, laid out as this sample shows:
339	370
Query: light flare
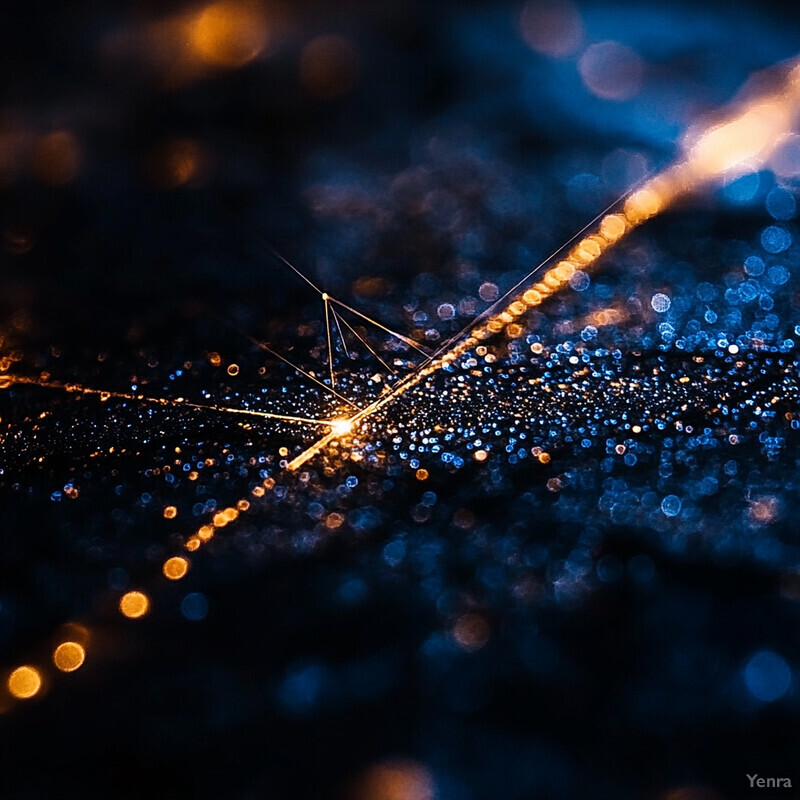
341	427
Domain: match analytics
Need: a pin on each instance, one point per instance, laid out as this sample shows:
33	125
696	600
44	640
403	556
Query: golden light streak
325	299
10	380
341	335
750	135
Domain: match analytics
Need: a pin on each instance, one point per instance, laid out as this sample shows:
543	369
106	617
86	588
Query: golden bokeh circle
175	568
69	656
24	682
134	604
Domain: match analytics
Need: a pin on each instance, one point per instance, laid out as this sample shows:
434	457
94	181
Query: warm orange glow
334	520
585	252
134	604
742	144
178	162
175	568
395	780
642	204
170	512
612	226
69	656
564	270
24	682
754	132
341	427
229	33
205	532
763	511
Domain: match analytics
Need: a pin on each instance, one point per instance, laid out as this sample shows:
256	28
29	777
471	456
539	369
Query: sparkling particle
489	292
775	239
579	281
781	204
767	676
754	266
777	275
660	302
671	505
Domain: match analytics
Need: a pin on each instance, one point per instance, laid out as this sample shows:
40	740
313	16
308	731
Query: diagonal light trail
742	141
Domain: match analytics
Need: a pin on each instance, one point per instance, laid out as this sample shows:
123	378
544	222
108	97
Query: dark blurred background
150	153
